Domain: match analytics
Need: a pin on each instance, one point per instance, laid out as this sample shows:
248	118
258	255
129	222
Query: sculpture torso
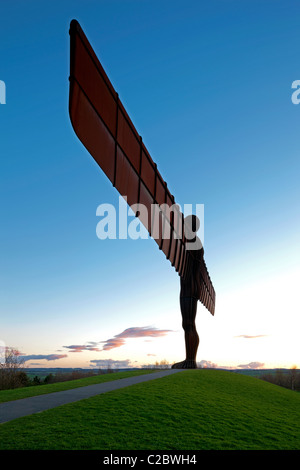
189	287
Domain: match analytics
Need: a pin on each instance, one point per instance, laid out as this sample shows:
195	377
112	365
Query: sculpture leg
188	310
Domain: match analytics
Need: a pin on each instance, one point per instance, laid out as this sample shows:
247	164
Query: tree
23	379
11	373
164	364
279	378
49	379
36	380
293	374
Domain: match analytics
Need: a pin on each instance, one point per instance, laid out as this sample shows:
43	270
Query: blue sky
208	86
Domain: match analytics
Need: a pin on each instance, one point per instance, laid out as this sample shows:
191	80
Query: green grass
25	392
191	410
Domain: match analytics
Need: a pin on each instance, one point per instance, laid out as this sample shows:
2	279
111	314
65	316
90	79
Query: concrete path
26	406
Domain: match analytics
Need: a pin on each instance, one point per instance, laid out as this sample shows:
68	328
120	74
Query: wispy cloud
134	332
118	340
47	357
251	365
110	363
81	347
250	337
207	364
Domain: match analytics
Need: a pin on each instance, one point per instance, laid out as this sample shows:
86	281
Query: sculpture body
190	292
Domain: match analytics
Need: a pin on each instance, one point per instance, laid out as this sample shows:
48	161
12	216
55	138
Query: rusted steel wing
102	124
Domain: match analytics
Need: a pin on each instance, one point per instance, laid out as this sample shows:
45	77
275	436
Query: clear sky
208	86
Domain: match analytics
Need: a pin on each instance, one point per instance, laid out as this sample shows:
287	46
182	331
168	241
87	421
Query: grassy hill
192	410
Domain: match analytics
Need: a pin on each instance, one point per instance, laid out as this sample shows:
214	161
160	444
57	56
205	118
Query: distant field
260	372
191	410
25	392
42	372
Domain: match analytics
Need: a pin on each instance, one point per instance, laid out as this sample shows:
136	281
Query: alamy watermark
2	92
296	94
122	222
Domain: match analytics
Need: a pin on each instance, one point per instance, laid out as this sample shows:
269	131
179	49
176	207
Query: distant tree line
284	378
163	364
74	375
13	373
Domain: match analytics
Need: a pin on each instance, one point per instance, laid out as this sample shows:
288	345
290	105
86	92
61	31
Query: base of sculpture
185	365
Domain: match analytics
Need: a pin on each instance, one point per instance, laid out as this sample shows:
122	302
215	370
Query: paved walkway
26	406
